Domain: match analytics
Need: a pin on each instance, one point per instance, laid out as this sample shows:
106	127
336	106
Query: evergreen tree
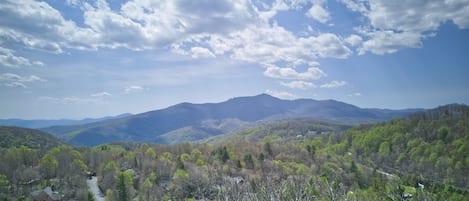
122	194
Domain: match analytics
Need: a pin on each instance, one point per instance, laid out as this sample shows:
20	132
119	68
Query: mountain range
191	122
42	123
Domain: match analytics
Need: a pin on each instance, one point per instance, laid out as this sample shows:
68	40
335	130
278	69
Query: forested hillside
31	159
431	146
16	137
294	130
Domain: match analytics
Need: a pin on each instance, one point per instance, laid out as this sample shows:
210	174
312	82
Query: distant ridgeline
194	122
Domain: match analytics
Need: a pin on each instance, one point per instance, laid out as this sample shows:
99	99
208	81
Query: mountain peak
262	96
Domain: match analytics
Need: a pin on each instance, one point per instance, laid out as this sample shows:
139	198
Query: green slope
430	147
16	136
284	131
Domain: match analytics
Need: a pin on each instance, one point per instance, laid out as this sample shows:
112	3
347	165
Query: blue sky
93	58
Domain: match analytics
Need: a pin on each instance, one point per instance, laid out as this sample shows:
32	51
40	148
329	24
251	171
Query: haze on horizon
94	58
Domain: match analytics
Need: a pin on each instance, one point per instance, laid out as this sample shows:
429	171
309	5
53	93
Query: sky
93	58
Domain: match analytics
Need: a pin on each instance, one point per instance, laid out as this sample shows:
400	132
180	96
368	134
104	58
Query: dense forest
422	157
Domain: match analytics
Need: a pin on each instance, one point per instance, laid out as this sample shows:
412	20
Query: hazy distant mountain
209	119
42	123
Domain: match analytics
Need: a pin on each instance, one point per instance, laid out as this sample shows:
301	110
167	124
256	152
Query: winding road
93	188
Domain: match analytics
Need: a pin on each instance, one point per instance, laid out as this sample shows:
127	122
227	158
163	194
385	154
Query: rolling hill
432	145
284	131
210	119
15	137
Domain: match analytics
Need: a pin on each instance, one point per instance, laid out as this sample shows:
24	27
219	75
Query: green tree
90	196
150	152
179	163
268	149
222	154
121	188
147	187
384	149
248	161
4	184
49	165
124	186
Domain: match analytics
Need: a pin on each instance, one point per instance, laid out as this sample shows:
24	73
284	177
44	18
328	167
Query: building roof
53	195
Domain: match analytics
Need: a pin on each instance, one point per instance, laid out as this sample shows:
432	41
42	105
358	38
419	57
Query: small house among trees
46	194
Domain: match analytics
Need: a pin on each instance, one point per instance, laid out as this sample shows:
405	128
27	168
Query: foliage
432	144
16	137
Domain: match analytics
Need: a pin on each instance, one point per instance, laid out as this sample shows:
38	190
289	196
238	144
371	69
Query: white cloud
37	25
354	40
418	16
270	11
356	94
312	73
101	94
333	84
200	52
281	46
143	24
382	42
137	24
298	84
356	5
318	13
394	25
204	29
133	89
73	2
327	45
73	100
251	45
281	94
14	80
8	59
38	63
15	84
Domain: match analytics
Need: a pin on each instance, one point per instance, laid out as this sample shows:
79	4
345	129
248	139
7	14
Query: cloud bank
241	30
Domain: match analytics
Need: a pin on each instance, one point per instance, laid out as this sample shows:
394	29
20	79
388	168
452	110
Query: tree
268	149
261	157
249	161
90	196
147	187
4	185
150	152
49	165
384	149
124	186
222	154
179	163
121	188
